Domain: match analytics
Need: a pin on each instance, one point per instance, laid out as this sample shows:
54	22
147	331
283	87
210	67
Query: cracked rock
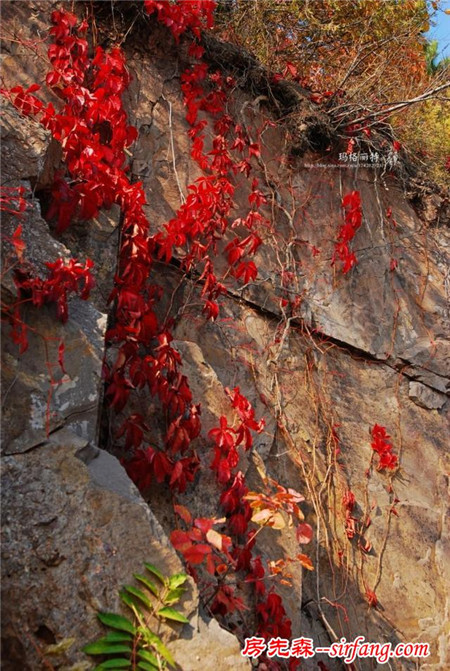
425	397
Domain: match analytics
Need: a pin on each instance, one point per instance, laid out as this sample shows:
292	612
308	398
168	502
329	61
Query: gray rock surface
72	536
425	397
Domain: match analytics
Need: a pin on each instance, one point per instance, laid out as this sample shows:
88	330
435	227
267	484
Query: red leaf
180	540
291	69
247	270
196	553
204	524
304	533
211	310
61	357
253	150
17	241
119	390
371	598
306	562
184	513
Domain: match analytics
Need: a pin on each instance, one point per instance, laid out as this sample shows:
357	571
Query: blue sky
441	31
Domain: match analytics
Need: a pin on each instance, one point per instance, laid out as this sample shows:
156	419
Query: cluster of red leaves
63	280
280	567
353	526
231	553
178	18
12	200
352	221
226	438
177	463
201	541
93	132
234	504
92	129
221	553
237	502
274	509
272	618
204	218
381	445
269	507
197	226
91	126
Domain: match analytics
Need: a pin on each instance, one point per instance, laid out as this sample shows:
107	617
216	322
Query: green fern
131	643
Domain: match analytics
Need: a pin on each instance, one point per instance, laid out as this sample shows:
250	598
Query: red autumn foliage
94	133
351	204
64	279
272	618
12	200
194	16
381	445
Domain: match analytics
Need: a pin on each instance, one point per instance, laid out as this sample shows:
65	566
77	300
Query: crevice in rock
45	634
351	350
44	198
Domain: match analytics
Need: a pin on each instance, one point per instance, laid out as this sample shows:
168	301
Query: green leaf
174	595
154	640
156	572
139	594
117	637
147	666
148	656
119	663
148	583
172	614
177	580
103	647
128	601
117	622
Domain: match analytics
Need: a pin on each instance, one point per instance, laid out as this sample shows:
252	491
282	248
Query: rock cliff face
368	347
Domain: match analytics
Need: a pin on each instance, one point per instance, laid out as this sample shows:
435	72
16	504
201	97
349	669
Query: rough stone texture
213	648
72	536
311	377
364	348
74	526
41	396
346	360
425	397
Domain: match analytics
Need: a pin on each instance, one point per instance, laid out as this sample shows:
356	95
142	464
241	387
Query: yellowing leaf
156	572
306	562
214	538
262	516
184	513
277	521
58	648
